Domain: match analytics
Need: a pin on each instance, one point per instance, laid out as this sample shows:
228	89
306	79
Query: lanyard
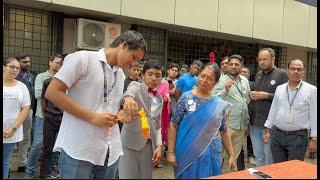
105	83
294	97
235	84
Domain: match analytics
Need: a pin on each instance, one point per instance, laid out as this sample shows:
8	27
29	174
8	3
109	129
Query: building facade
176	30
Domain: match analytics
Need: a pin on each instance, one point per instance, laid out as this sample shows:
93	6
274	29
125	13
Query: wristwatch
314	138
14	129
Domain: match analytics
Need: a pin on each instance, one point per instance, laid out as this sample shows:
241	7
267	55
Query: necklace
201	94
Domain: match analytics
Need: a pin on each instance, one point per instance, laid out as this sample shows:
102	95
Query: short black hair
296	59
270	51
21	55
135	65
133	39
51	58
151	64
223	58
172	65
236	56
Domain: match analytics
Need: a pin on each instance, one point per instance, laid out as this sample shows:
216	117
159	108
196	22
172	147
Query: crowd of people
94	122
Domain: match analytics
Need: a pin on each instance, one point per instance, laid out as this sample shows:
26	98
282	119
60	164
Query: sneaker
22	169
252	160
28	175
158	165
54	174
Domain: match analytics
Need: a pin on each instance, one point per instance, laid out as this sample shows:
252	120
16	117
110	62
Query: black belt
291	132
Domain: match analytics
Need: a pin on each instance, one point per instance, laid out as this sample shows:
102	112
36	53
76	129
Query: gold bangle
170	151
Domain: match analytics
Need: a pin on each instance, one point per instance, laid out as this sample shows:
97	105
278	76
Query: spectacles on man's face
13	67
296	69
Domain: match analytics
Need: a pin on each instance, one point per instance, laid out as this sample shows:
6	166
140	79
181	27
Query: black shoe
22	169
312	155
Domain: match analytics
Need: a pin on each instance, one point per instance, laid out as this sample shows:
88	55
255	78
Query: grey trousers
288	146
136	164
24	145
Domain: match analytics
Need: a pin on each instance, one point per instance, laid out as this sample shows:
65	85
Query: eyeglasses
12	67
296	69
205	77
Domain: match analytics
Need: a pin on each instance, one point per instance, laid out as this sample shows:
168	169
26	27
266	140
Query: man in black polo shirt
51	125
266	82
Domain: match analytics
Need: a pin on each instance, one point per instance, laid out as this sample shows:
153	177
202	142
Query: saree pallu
163	90
198	142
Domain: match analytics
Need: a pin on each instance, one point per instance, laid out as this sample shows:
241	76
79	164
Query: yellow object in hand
145	130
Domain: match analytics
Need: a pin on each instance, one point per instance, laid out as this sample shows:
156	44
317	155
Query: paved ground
165	172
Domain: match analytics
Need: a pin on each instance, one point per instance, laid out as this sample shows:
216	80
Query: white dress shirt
155	111
303	110
82	72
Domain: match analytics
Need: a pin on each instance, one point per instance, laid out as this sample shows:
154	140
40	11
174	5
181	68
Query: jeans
261	151
7	155
24	145
37	145
71	168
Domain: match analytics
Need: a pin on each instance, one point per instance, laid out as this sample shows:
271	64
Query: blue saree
198	143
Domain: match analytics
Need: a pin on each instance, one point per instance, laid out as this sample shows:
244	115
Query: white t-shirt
14	99
83	74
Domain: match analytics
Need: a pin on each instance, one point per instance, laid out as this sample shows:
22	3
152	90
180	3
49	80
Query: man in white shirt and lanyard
292	113
88	88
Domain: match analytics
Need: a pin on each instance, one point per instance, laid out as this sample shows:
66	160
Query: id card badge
289	117
192	107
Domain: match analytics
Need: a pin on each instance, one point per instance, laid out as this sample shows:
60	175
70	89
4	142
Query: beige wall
109	6
236	17
154	10
284	21
295	23
268	18
202	15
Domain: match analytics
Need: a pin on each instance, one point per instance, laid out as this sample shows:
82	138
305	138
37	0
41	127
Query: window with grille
156	40
28	30
185	47
312	68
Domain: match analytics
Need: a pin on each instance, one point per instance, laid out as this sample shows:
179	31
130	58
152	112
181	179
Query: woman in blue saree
198	130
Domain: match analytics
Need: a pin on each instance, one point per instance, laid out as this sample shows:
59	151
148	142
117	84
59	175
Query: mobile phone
262	175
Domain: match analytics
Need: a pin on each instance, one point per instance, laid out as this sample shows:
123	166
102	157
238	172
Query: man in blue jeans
37	128
266	82
88	88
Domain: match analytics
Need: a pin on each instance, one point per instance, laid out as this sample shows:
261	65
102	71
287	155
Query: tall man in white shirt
292	113
88	88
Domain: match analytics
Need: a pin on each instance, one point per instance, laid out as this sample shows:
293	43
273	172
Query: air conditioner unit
94	35
91	34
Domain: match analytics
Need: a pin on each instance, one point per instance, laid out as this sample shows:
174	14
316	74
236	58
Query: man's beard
25	69
234	74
